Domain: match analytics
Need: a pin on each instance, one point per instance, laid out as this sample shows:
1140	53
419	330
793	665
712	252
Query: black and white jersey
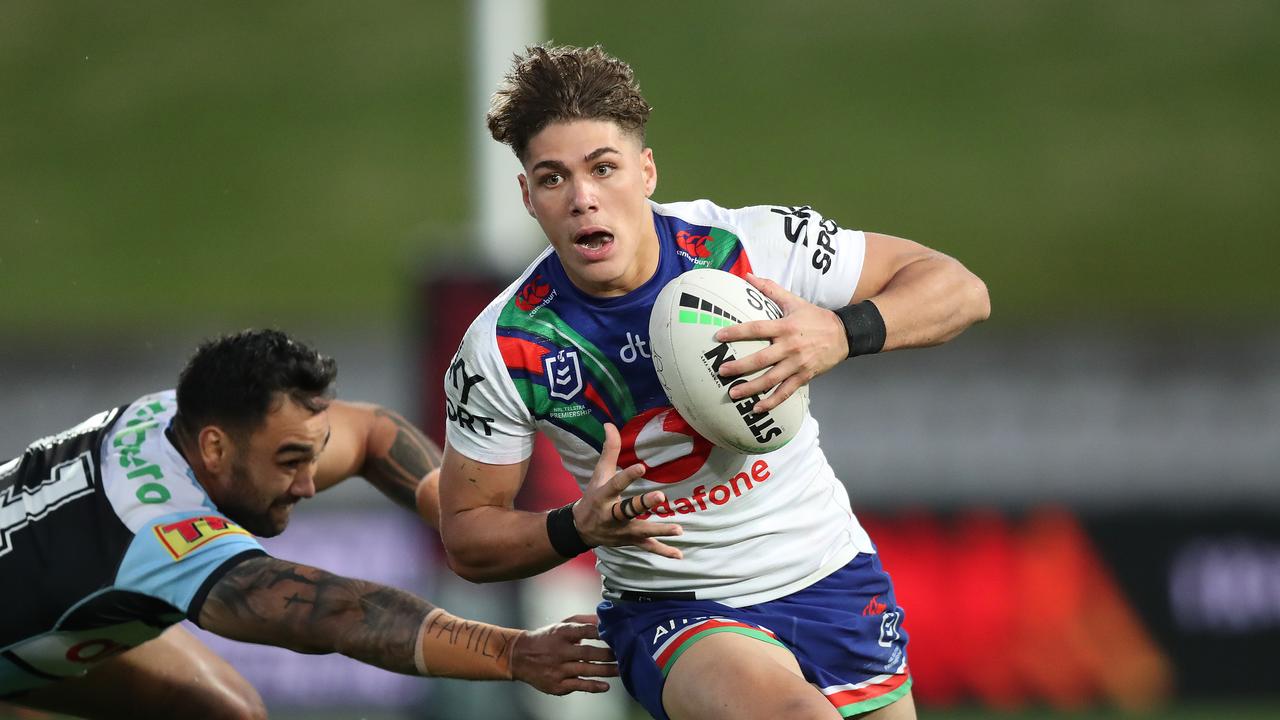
106	539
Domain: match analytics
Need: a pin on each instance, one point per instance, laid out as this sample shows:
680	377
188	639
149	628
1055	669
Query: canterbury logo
874	606
698	246
532	294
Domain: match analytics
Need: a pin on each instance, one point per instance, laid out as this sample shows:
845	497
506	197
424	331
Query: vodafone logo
670	449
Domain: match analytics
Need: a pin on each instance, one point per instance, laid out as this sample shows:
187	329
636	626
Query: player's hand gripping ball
682	328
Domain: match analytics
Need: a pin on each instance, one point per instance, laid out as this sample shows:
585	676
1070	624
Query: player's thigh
154	680
734	677
904	708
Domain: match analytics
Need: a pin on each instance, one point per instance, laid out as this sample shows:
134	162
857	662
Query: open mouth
594	240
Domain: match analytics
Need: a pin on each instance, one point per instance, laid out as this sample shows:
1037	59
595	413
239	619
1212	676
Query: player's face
275	467
587	183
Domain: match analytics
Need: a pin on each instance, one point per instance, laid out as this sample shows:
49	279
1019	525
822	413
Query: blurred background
1079	499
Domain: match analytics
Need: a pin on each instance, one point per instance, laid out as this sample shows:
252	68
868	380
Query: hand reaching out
554	659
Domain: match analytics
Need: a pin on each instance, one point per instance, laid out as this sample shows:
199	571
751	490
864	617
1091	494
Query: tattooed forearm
398	469
480	638
276	602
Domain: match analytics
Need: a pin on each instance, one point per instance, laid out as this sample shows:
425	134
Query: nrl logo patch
564	374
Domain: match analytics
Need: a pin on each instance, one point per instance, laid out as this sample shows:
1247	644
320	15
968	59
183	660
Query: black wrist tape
564	534
863	328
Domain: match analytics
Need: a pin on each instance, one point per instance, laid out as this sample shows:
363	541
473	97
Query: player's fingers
583	619
577	632
660	548
775	292
632	507
779	395
751	330
590	669
623	478
579	685
762	358
758	386
607	465
594	654
648	529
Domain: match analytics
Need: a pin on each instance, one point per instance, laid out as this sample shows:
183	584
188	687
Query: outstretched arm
275	602
380	446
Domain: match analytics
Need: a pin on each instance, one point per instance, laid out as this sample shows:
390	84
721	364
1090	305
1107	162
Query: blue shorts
845	631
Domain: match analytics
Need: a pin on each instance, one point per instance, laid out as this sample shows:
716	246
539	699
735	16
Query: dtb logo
698	246
532	294
634	349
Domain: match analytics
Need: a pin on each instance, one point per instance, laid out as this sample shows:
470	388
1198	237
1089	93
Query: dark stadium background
170	171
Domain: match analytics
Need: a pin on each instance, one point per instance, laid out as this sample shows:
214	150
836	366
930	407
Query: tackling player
735	586
146	514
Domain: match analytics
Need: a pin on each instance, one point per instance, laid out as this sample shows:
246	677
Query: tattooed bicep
405	462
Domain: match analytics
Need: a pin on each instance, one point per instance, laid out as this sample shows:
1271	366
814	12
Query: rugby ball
682	328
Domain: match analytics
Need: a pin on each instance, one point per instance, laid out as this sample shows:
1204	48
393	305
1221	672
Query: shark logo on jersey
564	374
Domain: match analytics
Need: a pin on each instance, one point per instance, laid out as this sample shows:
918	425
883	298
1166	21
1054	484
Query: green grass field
297	164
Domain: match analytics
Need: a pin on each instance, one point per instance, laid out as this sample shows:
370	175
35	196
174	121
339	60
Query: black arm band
564	534
863	327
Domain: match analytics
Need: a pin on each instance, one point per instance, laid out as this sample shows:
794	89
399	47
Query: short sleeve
486	419
174	557
804	252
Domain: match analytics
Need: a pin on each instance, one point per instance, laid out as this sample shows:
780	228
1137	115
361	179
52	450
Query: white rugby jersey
546	357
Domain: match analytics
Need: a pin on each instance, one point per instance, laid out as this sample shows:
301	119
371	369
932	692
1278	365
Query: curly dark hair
554	83
232	381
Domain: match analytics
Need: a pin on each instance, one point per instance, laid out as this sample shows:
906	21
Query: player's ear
650	171
524	194
215	449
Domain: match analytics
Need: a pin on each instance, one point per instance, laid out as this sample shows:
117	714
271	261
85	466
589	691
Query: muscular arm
488	539
275	602
380	446
485	537
925	297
